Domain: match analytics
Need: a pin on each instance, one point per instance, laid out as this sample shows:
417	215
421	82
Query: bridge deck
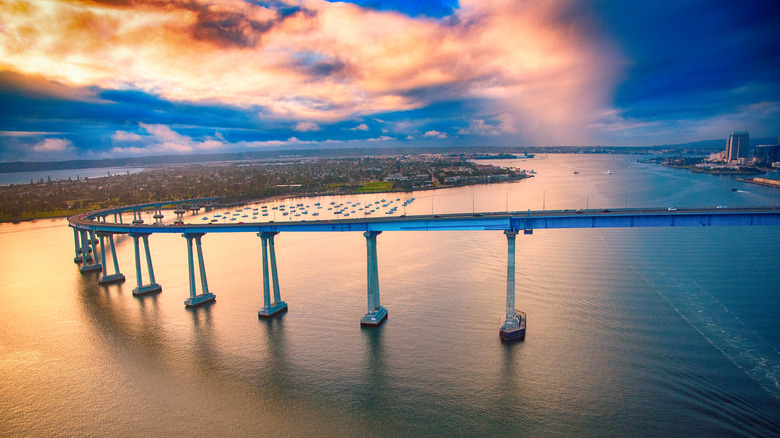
499	221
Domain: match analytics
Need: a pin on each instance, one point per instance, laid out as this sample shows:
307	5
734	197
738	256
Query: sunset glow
491	72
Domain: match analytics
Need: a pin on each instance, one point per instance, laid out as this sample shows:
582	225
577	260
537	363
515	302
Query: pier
92	228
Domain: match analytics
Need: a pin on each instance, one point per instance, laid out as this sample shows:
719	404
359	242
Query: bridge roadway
88	226
498	221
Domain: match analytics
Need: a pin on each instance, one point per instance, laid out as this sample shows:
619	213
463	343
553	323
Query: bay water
631	332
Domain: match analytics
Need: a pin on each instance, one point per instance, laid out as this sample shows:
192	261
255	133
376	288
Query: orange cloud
533	66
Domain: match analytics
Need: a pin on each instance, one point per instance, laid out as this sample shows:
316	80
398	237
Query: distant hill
169	160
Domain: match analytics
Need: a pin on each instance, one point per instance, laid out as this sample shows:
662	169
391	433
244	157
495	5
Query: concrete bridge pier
88	264
376	313
93	240
513	325
277	306
152	287
137	220
158	215
79	258
205	296
116	277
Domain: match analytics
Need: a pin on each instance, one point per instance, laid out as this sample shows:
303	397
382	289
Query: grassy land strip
377	186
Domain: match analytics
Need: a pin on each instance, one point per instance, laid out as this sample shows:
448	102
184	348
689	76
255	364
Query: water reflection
104	308
276	362
204	343
375	378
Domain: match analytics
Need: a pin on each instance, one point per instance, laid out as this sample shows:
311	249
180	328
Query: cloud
38	87
435	134
381	138
306	127
124	136
530	72
539	61
478	126
27	133
47	149
757	118
53	145
504	124
161	139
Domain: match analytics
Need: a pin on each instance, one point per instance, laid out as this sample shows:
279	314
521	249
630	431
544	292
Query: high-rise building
737	145
766	154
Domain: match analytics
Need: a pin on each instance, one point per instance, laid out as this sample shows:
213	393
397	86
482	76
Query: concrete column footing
513	330
200	300
374	319
147	289
270	312
109	279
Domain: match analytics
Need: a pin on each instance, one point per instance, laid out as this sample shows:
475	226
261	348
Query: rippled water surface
631	332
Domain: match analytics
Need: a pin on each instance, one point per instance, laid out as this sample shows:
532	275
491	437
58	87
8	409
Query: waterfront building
766	154
737	145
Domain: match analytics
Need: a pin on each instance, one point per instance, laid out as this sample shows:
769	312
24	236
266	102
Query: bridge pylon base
199	300
90	268
513	330
374	319
147	289
270	312
110	279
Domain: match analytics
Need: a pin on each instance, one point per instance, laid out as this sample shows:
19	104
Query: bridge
91	229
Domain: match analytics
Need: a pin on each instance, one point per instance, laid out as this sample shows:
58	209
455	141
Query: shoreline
269	199
760	183
713	172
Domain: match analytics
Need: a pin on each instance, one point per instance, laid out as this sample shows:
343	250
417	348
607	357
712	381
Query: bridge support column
158	215
277	306
88	264
116	277
513	325
79	249
152	286
205	296
376	313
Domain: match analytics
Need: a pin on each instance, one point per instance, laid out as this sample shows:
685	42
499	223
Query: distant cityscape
736	159
737	154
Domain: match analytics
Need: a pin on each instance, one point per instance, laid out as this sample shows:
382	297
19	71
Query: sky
89	79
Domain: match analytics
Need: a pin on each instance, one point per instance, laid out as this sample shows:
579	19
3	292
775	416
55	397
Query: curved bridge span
93	228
